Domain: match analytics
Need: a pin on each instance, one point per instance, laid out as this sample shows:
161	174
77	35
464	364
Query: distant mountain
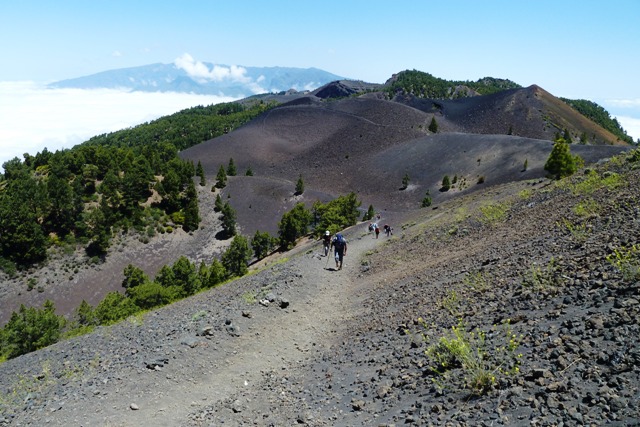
186	75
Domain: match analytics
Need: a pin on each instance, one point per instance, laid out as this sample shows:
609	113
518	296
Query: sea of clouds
627	112
33	117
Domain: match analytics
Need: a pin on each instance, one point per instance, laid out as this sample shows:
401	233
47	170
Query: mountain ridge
234	81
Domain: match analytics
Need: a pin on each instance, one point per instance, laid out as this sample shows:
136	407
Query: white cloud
33	117
201	72
631	125
627	112
624	103
116	54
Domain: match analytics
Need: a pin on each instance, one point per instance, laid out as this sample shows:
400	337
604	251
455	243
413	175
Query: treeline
30	329
599	115
185	128
85	194
424	85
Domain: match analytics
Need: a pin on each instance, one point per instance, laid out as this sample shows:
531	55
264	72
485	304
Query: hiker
370	228
377	231
340	245
326	242
388	230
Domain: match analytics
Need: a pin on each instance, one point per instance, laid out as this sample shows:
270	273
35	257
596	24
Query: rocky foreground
518	306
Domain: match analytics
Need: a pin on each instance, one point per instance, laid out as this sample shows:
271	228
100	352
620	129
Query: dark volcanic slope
529	112
365	145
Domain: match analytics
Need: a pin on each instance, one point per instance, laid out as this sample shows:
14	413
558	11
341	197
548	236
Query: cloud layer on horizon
200	72
627	112
33	117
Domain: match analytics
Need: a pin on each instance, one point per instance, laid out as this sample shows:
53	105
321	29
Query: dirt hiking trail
217	365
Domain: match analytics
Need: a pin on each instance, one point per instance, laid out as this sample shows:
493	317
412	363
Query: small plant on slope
494	213
627	261
482	357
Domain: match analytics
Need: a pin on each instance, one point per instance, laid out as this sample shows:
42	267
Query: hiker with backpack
326	242
374	228
339	243
388	230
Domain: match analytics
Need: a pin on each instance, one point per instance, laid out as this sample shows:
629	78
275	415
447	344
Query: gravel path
193	355
296	343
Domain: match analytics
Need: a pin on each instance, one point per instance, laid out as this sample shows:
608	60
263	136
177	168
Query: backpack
339	241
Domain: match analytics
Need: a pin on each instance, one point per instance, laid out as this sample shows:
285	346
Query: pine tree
299	186
369	214
200	173
433	126
231	169
294	224
218	204
426	202
405	181
191	211
446	183
217	273
228	220
236	258
31	329
567	136
262	243
221	178
561	163
133	276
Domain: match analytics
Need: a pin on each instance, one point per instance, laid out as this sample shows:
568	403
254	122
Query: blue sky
576	49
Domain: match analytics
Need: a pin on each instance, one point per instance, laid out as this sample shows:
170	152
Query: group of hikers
339	243
373	227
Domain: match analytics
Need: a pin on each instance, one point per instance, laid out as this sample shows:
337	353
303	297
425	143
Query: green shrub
151	294
482	358
178	217
542	278
294	224
31	329
85	315
236	258
262	244
627	261
494	213
337	214
369	214
426	202
477	281
579	231
216	274
133	276
586	207
115	306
